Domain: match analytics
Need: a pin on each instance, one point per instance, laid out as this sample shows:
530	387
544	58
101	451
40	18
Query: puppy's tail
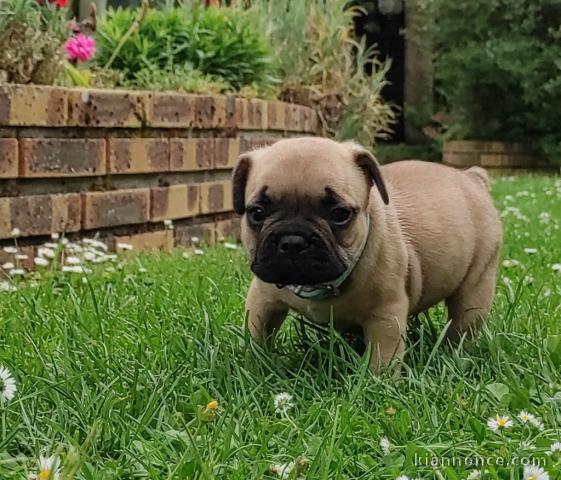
481	176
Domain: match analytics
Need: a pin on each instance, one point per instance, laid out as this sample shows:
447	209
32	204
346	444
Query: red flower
58	3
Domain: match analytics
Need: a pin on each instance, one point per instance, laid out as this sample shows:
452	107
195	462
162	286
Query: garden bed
119	163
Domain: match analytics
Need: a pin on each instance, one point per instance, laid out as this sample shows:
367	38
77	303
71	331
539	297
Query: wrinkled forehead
296	175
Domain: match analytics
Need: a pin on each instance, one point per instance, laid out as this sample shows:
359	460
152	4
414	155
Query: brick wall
117	164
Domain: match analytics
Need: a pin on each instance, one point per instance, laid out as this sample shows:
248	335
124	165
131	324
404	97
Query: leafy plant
322	66
31	37
498	70
221	44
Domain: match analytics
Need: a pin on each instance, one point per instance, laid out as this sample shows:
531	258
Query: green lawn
114	372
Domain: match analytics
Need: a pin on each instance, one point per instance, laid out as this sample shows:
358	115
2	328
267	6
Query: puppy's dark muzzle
296	255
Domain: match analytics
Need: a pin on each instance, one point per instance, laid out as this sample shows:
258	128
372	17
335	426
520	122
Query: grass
114	373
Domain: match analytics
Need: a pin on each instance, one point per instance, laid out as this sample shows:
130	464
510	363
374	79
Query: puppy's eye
340	215
256	214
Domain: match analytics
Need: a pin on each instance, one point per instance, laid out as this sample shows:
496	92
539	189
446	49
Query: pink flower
80	47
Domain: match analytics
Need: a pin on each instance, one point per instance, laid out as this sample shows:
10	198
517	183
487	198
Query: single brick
307	122
227	151
8	158
33	106
216	197
257	114
204	111
220	118
230	228
61	157
508	160
192	154
242	114
276	116
105	108
160	240
176	201
195	235
138	155
458	146
467	159
170	110
230	112
39	214
120	207
293	117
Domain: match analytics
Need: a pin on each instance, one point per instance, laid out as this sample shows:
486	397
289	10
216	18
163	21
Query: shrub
219	43
322	66
498	69
31	37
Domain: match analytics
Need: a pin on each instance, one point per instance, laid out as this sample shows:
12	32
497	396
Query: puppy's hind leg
469	305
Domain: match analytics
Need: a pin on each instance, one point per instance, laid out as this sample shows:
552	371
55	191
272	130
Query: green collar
330	289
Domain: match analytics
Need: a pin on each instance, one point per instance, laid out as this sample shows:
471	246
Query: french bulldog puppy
332	235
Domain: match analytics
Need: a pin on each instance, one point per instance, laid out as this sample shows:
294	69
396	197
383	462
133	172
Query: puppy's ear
239	181
369	165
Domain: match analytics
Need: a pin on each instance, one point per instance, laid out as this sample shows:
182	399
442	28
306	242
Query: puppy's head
304	205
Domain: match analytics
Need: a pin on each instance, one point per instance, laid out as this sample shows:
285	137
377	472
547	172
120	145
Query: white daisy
95	243
55	236
7	384
385	445
283	403
283	470
556	447
16	232
556	267
73	269
45	252
195	240
168	224
530	251
532	472
231	246
11	250
41	262
537	423
499	422
474	475
73	261
17	272
90	256
8	266
49	468
198	251
21	256
525	417
509	263
7	287
124	246
74	248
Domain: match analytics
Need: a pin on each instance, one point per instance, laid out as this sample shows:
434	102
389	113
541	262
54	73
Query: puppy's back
447	218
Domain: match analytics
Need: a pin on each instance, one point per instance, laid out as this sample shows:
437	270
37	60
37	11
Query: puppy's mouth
296	258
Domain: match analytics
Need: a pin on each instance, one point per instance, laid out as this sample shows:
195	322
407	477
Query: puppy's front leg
385	331
265	316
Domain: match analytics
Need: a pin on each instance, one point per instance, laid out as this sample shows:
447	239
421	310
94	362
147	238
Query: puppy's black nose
292	244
